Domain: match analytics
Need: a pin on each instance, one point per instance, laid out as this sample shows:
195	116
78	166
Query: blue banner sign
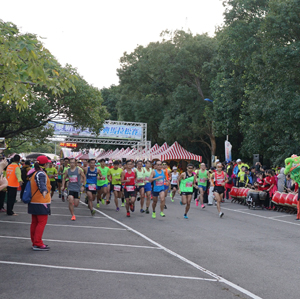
108	131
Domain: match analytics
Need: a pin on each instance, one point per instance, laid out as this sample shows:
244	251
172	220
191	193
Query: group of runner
125	182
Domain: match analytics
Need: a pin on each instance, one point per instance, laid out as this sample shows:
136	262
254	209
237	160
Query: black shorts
53	185
174	186
186	193
74	194
219	189
112	187
59	180
92	191
129	193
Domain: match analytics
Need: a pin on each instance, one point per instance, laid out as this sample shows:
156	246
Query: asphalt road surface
246	254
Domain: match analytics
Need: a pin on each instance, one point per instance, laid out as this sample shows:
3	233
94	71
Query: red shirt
130	176
219	179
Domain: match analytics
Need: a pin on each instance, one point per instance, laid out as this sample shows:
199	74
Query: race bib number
174	182
130	188
92	187
117	188
147	178
159	183
103	178
73	179
202	180
140	181
189	184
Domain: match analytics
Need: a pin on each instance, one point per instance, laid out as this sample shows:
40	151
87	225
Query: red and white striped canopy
177	152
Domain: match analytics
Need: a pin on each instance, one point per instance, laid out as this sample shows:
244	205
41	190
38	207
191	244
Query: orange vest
167	176
37	196
11	175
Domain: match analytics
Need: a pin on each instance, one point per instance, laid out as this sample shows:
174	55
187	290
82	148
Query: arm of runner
64	180
179	180
83	178
151	178
123	177
99	174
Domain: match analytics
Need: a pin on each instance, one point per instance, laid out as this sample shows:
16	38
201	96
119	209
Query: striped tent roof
177	152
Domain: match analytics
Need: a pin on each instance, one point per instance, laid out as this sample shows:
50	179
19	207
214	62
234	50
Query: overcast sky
92	35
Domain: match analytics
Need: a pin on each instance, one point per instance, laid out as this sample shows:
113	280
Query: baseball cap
238	160
42	160
174	167
217	160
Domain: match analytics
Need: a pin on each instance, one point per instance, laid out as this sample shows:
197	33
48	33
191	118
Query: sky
92	35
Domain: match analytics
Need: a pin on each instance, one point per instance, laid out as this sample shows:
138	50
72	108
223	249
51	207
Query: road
246	254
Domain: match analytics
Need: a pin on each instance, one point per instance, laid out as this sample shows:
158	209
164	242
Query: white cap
217	160
238	160
106	162
174	167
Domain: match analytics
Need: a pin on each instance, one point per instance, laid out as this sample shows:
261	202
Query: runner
140	183
128	177
220	178
167	179
92	173
203	177
186	183
114	176
102	184
158	177
63	168
148	187
52	172
59	176
174	181
76	183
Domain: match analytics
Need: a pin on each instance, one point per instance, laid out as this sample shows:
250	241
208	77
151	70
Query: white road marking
100	217
65	225
215	276
260	216
107	271
283	216
80	242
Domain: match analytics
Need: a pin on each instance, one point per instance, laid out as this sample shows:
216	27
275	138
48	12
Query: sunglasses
158	164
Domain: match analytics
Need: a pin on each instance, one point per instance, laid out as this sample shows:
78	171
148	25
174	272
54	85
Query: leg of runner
148	200
116	196
201	195
142	195
219	199
98	196
188	204
91	198
59	188
183	202
173	193
106	192
162	203
71	206
154	202
165	195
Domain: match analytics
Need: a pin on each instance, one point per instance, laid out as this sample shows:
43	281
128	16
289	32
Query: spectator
281	180
13	175
39	207
253	175
242	177
288	183
52	172
230	182
26	167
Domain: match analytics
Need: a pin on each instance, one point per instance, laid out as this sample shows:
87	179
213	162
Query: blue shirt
158	185
91	177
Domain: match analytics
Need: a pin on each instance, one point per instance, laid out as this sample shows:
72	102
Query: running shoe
153	215
162	214
117	209
2	210
131	207
86	200
103	201
297	219
147	211
171	195
181	202
197	202
202	206
122	204
165	207
63	198
93	212
73	218
59	195
128	214
142	211
138	199
107	202
185	216
41	248
221	214
98	205
172	199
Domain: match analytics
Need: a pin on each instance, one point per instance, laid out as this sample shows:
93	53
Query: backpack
27	196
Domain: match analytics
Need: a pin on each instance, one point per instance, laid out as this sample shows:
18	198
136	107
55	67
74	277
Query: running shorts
92	191
166	187
112	188
130	193
59	180
156	194
174	186
74	194
137	189
219	189
186	193
148	187
203	187
100	187
53	185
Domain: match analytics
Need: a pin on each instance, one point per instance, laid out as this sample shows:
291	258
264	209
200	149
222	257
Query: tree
26	65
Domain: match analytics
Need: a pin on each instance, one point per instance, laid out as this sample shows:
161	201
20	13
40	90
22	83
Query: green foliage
25	65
